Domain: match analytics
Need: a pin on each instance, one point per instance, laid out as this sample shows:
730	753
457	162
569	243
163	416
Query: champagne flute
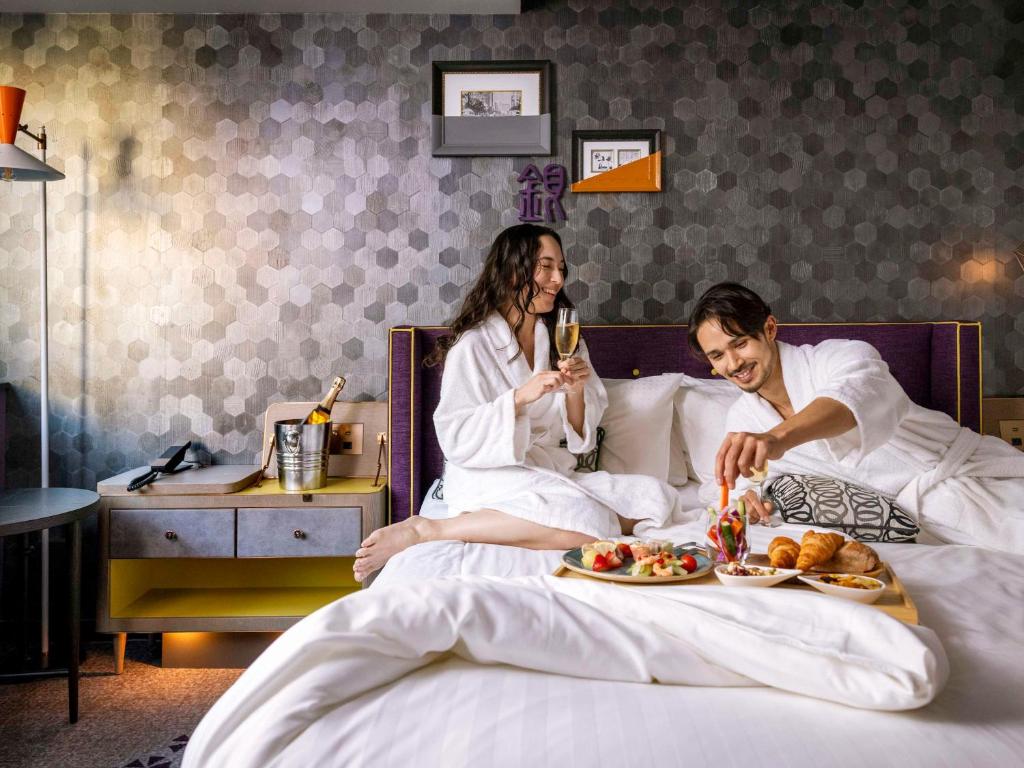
567	333
757	478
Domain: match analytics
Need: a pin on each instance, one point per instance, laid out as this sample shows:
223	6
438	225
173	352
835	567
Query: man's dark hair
739	311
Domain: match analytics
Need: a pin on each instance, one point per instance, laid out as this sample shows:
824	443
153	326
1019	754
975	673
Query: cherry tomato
688	563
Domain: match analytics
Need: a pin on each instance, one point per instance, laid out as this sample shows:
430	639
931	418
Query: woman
506	404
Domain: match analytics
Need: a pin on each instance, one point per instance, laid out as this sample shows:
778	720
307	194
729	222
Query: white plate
780	575
849	593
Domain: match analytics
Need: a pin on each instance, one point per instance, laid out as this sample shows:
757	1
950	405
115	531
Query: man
833	409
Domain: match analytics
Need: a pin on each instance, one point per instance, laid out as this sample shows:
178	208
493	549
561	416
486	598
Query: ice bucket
302	454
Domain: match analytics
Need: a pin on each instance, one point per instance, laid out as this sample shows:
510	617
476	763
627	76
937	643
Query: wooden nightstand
257	560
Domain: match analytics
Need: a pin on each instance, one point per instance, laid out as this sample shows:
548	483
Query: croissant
783	552
853	557
817	548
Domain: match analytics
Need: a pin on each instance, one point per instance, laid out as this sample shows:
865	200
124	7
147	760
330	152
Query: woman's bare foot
384	543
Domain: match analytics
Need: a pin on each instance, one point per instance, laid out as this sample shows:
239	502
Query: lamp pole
44	410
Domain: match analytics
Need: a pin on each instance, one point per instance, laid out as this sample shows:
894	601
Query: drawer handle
299	534
170	535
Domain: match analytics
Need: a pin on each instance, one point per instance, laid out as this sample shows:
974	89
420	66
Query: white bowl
780	575
848	593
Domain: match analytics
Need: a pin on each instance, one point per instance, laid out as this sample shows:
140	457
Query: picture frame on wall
484	108
626	160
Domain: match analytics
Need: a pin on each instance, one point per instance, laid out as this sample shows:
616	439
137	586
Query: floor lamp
18	165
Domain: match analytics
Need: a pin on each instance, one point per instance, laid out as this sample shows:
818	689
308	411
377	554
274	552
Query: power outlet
347	439
1012	431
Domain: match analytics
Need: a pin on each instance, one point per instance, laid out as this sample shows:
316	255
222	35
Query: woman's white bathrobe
961	486
514	464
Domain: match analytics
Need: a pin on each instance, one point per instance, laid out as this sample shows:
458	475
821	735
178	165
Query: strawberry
623	550
613	559
601	563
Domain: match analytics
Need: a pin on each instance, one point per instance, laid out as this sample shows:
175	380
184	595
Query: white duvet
317	695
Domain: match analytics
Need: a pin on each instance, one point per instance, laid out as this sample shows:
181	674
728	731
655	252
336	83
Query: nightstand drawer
138	533
299	531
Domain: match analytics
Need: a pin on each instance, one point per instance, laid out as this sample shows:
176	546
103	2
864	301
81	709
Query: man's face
746	361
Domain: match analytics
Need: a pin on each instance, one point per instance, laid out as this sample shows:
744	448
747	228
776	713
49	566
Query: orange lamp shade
11	101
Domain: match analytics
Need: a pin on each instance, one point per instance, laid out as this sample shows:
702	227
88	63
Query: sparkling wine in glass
567	332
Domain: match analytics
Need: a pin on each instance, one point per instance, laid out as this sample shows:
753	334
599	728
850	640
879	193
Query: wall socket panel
347	439
1012	431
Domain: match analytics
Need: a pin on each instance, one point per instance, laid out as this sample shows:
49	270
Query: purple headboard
938	364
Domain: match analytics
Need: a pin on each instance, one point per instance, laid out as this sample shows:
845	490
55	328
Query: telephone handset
167	464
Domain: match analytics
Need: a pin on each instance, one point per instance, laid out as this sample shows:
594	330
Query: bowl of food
861	589
741	575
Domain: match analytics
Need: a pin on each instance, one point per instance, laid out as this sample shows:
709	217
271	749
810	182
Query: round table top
33	509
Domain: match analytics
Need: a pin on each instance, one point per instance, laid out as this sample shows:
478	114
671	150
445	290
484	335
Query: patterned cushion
585	462
829	503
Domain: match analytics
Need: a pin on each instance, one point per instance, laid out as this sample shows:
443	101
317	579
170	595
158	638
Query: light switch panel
347	439
1012	431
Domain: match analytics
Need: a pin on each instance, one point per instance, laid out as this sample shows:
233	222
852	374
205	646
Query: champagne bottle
322	413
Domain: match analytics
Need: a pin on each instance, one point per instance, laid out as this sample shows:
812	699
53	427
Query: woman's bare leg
485	526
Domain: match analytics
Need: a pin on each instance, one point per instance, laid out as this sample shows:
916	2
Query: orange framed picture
616	160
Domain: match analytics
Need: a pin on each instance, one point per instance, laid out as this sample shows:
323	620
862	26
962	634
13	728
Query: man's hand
743	452
758	510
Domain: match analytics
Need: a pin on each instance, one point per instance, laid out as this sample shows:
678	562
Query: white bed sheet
437	509
454	713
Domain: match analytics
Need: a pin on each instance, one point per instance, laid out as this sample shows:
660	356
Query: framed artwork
616	161
491	108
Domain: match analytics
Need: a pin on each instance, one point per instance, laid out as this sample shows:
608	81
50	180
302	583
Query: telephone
167	464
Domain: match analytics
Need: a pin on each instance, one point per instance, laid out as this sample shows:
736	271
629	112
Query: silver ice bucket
302	454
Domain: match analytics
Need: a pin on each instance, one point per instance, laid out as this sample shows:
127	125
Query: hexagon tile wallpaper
251	202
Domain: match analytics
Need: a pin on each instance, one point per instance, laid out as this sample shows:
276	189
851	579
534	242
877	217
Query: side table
36	509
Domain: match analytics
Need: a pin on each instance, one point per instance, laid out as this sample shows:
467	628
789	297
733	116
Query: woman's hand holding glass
575	372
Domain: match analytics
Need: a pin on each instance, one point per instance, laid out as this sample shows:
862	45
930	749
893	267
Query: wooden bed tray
895	600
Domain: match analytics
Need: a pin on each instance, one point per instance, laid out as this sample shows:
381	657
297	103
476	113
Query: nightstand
253	561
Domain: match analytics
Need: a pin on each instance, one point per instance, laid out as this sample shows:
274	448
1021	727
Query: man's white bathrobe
514	463
961	486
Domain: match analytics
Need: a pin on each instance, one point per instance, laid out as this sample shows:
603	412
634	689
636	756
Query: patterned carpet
141	718
168	757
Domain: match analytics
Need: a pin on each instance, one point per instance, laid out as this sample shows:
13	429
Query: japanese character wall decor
616	161
491	108
540	199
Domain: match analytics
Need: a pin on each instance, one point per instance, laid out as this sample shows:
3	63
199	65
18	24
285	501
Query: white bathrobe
514	463
961	486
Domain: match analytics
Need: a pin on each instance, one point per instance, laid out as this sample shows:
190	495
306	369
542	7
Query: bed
467	655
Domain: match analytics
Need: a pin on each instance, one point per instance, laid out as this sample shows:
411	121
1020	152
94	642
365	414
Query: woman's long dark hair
506	280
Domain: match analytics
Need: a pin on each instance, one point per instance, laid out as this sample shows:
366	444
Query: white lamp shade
18	165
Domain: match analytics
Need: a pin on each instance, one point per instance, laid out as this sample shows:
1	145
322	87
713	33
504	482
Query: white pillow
638	425
701	406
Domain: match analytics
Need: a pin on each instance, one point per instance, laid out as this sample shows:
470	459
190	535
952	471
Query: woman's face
548	276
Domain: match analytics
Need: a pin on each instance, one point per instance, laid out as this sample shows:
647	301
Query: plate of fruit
639	562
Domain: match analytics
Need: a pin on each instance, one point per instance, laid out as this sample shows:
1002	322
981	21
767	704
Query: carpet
168	756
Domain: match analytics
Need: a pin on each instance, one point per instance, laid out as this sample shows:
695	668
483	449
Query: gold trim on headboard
391	499
412	421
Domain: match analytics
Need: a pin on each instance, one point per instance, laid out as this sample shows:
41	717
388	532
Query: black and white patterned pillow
585	462
830	503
